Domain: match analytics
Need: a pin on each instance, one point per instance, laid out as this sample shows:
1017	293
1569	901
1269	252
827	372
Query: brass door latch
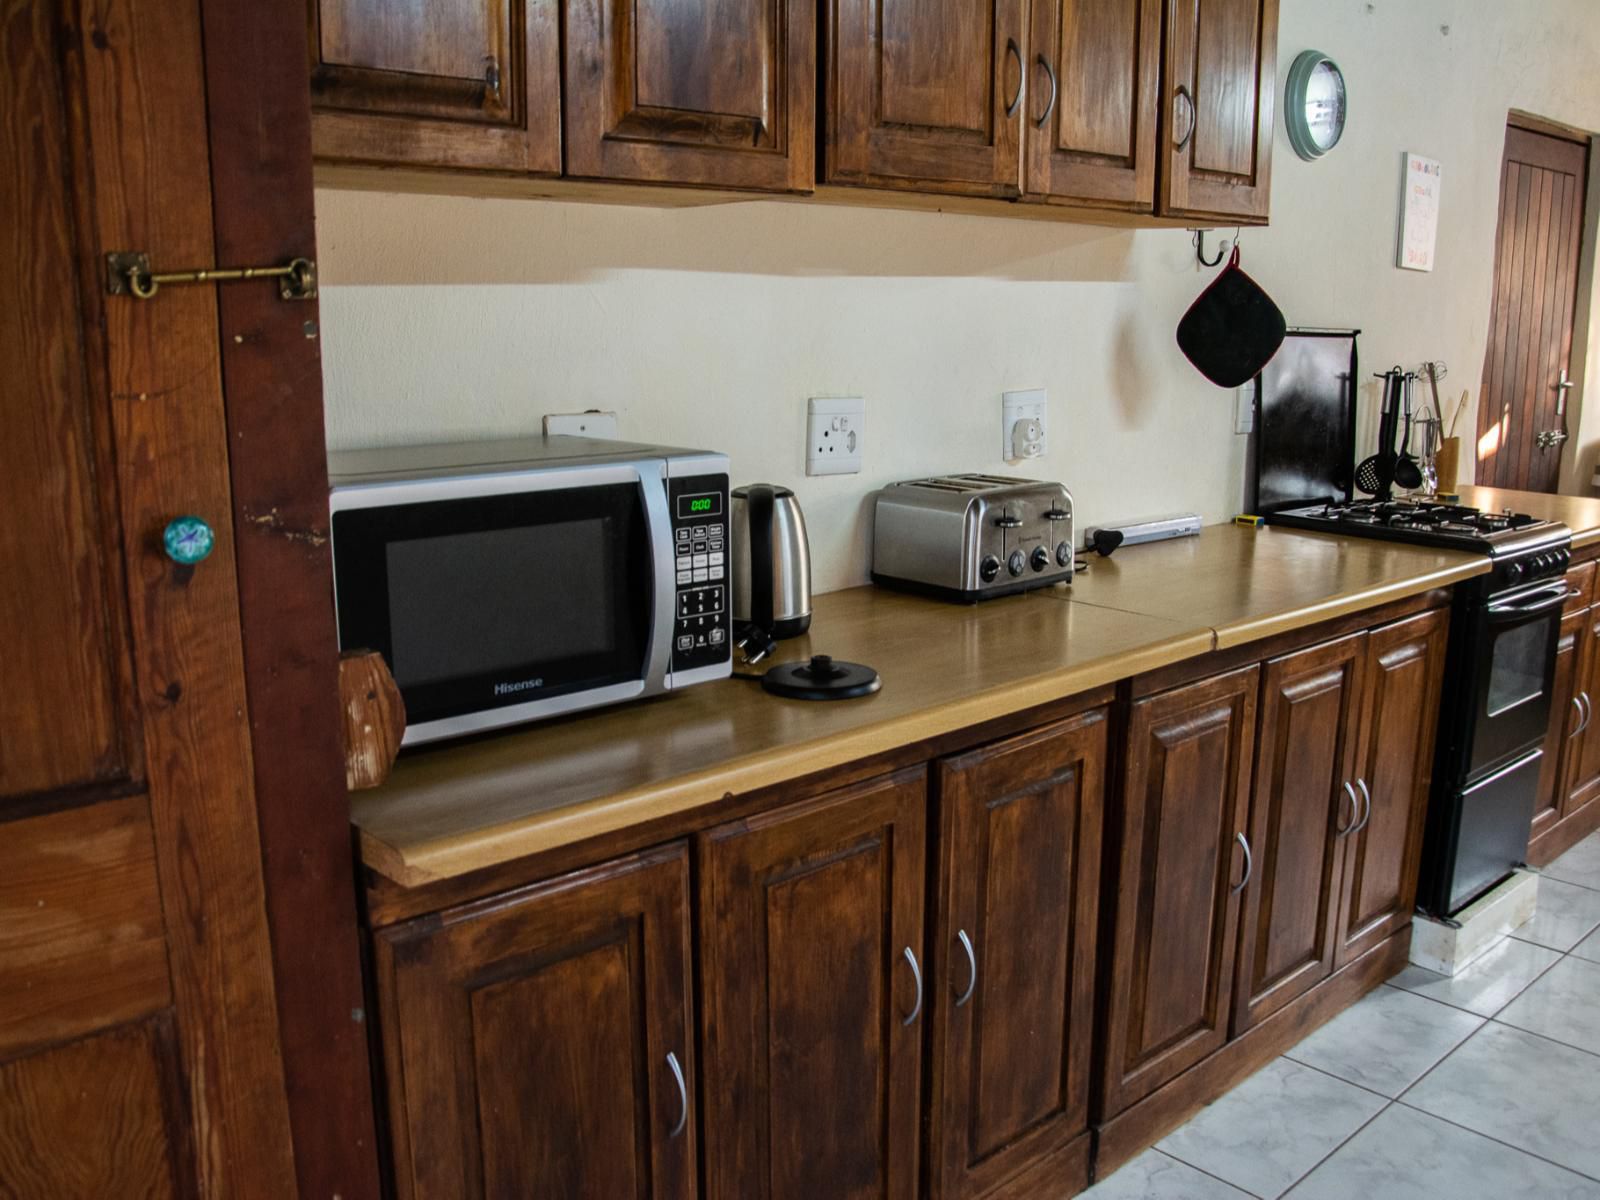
128	273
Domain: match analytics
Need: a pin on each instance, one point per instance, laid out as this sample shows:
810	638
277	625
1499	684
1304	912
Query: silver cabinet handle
1366	813
1055	90
1188	134
683	1094
1588	711
972	967
916	975
1577	703
1355	811
1249	863
491	76
1011	49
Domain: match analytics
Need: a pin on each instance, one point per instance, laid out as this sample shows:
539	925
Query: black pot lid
821	679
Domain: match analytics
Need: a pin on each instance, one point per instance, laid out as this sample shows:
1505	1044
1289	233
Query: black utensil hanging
1407	470
1375	475
1232	329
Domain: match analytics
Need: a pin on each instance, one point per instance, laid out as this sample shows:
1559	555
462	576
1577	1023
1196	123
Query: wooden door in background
1522	406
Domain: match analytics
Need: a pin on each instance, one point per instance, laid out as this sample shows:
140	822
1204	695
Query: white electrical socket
1244	408
1024	431
836	428
593	423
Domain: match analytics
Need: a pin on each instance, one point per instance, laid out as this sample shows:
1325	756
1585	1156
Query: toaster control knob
989	568
1064	554
1007	521
1039	559
1016	564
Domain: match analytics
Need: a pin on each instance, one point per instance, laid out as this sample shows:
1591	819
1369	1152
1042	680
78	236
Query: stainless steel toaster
972	537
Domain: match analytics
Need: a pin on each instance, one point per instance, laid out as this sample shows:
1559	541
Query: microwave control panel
702	635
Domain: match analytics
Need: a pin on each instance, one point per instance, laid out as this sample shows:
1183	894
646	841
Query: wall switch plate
593	423
836	429
1024	432
1244	408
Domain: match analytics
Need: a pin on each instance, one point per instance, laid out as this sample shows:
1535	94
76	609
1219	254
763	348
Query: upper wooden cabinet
1220	85
463	83
926	95
1011	997
1094	77
719	94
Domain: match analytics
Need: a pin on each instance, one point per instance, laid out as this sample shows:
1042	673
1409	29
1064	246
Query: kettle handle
759	501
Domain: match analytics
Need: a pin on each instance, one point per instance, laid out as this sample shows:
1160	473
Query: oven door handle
1541	602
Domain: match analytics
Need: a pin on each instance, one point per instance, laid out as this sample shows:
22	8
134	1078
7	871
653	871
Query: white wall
449	317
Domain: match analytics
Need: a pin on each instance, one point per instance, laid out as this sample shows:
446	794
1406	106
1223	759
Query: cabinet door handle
1188	101
972	967
1577	704
1366	810
1055	90
683	1094
916	975
1355	812
1249	863
491	76
1013	52
1586	710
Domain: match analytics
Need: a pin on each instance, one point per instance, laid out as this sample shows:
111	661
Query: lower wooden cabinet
1180	862
813	996
1011	994
1569	784
1567	720
541	1042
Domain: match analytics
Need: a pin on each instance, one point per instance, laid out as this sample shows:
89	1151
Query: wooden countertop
1248	584
448	811
1581	514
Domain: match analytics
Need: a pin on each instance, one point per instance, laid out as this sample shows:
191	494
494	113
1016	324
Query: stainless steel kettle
771	561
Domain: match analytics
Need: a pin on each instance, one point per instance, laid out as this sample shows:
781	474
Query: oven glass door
1514	669
484	602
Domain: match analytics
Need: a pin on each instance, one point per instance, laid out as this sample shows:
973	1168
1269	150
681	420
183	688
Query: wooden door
1568	717
926	95
1220	84
539	1043
717	94
1529	357
1095	91
1305	805
1400	715
1581	781
811	981
469	83
1011	994
1180	864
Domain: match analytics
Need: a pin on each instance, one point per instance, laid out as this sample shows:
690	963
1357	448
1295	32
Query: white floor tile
1581	864
1564	1004
1387	1040
1154	1176
1489	984
1566	914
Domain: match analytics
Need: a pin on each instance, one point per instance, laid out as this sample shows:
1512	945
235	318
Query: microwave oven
509	581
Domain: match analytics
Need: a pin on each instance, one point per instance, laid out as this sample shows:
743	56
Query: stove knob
1016	564
989	568
1515	572
1039	559
1064	554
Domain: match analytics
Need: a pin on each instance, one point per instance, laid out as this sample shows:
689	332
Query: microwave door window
495	601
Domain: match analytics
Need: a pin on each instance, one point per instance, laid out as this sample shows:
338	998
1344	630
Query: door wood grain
1301	813
1019	879
813	1075
1185	801
1581	781
1563	742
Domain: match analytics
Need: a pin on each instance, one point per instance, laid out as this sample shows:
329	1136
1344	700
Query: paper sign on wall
1419	214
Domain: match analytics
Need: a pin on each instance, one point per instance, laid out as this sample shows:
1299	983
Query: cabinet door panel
813	1078
527	1038
1563	742
1310	715
469	84
1019	877
917	93
1221	85
720	94
1097	144
1185	798
1405	670
1581	782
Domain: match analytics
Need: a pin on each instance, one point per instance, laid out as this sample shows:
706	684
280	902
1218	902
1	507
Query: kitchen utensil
821	678
771	568
1445	465
1407	471
1232	329
1375	475
972	537
1427	431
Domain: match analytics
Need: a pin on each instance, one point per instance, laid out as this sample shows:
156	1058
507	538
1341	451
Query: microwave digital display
708	504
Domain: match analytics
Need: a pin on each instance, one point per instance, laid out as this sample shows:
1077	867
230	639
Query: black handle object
1107	540
758	508
1540	602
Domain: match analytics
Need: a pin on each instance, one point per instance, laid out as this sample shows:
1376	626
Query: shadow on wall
388	239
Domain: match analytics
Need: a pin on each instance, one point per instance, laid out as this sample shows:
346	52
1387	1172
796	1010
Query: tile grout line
1545	1036
1201	1170
1543	971
1342	1079
1352	1135
1499	1141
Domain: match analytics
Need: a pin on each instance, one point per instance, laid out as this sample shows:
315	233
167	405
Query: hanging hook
1222	249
